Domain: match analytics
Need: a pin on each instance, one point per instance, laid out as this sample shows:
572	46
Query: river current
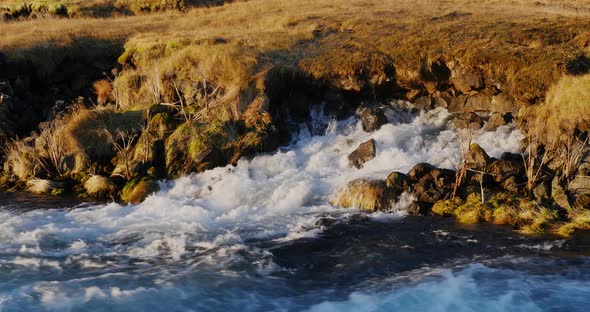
261	236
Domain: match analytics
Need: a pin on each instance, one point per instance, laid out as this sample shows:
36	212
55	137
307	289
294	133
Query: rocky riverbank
107	116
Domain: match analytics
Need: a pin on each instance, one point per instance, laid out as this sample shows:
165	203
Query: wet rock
365	194
511	156
364	153
496	120
419	208
43	186
100	187
372	117
419	171
468	121
398	183
137	190
477	158
430	183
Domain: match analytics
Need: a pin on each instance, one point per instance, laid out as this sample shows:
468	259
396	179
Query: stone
365	152
542	190
500	170
468	121
419	171
424	103
365	194
477	158
559	195
502	103
137	190
458	104
440	101
478	102
398	183
579	189
372	118
418	208
511	185
431	184
466	80
496	120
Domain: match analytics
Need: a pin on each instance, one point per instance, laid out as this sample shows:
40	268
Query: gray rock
365	152
372	118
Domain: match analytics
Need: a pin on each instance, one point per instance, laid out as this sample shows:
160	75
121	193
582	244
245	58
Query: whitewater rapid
204	237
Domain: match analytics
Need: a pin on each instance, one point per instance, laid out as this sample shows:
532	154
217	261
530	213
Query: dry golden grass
520	45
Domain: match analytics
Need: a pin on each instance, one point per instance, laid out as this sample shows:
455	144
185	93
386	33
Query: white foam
278	196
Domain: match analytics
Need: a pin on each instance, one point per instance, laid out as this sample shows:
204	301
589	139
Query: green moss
57	192
579	221
446	208
138	189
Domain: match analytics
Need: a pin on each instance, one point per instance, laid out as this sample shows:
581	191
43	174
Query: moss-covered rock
364	194
138	189
98	186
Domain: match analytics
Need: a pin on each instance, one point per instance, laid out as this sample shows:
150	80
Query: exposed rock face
365	194
372	117
364	153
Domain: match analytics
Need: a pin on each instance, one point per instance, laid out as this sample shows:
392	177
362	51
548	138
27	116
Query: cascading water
253	237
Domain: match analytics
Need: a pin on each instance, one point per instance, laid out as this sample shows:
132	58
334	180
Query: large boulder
364	153
372	117
365	194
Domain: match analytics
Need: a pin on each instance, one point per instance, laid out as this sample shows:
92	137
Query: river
261	236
